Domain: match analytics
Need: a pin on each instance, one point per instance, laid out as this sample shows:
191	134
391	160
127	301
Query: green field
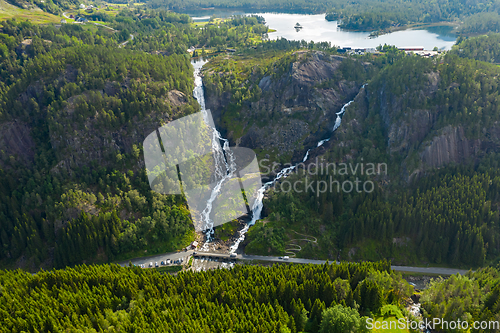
8	11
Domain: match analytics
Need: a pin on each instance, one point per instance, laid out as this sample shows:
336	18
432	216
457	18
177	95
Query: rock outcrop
450	146
295	110
78	145
16	142
415	134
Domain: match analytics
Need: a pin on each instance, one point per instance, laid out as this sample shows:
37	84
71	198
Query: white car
151	264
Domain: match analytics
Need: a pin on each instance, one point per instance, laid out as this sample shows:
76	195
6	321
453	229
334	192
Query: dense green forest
284	298
366	15
53	89
74	189
473	297
445	217
483	48
281	298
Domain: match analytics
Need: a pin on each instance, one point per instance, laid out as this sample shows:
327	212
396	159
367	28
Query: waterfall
225	165
258	204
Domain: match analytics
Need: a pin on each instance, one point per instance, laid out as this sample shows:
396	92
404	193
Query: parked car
162	263
156	264
151	264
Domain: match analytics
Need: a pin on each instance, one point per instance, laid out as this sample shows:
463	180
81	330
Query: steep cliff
74	147
431	118
296	107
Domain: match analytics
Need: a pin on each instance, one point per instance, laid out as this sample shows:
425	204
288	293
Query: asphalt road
186	255
423	270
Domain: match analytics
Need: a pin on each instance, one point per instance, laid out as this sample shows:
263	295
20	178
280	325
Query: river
316	28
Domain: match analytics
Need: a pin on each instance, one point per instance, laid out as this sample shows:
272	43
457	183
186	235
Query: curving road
293	246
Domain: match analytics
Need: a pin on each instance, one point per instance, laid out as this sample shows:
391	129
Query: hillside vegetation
286	298
75	107
415	115
32	13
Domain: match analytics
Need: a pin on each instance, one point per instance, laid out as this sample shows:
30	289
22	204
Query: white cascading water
225	165
258	205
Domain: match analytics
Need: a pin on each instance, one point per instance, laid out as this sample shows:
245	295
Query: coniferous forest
78	100
67	194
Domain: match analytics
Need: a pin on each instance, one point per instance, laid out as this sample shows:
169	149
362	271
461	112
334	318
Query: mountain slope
432	126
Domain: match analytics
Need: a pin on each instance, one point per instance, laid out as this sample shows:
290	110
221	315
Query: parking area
168	259
203	264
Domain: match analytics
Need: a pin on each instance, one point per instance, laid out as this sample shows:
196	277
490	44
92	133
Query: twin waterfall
225	165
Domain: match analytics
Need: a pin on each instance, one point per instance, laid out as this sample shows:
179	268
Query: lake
317	29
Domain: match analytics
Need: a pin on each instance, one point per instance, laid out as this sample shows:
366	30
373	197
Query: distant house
414	48
63	21
194	244
71	16
343	50
82	6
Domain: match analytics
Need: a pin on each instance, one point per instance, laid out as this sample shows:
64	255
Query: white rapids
225	165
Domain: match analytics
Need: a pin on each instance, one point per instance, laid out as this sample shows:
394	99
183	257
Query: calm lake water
317	29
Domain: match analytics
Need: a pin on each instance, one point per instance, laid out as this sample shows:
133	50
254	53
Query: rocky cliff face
298	108
449	146
16	142
415	134
78	145
406	127
295	110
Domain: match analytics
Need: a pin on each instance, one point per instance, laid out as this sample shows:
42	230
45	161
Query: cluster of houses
418	50
89	7
81	20
349	50
76	18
